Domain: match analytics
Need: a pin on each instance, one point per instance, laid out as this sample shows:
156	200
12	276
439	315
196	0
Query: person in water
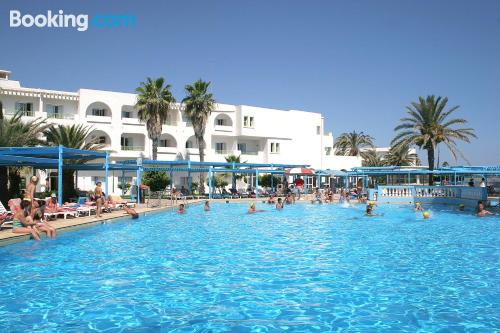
207	206
253	209
418	207
461	207
481	211
279	204
131	212
369	210
181	209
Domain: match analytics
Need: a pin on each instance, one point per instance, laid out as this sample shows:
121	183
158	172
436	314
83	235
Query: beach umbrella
299	171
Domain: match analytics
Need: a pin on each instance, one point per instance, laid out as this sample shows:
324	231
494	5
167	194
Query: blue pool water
308	268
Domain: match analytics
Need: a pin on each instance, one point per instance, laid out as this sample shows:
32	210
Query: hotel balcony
23	113
133	148
61	116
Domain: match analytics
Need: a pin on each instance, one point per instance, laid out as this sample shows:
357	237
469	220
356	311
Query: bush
265	180
156	180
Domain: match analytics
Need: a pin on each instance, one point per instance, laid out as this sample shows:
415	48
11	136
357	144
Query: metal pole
256	183
106	172
123	182
189	177
138	184
59	176
210	183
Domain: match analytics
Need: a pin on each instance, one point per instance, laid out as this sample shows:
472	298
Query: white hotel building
259	135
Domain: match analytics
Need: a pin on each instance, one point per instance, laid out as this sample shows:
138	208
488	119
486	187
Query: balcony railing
60	116
222	151
249	153
23	113
133	148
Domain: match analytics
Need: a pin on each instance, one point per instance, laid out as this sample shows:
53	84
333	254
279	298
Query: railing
23	113
429	194
171	122
133	148
249	153
222	151
60	116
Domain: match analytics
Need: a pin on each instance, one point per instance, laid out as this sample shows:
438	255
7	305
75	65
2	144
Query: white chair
3	211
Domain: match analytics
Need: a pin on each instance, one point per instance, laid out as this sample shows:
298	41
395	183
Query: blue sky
357	62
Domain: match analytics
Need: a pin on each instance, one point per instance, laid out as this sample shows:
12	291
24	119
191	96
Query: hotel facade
258	135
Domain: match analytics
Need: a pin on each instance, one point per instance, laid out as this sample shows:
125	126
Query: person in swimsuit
207	206
369	211
23	223
481	212
279	204
44	225
98	197
181	209
131	212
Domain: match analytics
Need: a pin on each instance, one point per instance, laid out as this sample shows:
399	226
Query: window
275	147
220	147
166	143
101	140
126	142
248	122
242	147
189	144
99	112
54	111
25	108
318	130
127	114
328	150
220	122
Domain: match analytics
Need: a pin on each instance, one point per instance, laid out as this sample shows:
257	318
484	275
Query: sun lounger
4	214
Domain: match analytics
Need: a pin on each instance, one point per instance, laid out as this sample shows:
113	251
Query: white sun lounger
5	224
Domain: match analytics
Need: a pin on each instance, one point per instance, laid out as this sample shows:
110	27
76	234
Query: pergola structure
211	168
59	158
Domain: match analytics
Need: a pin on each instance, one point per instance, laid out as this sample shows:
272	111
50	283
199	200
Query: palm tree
74	136
428	124
352	144
198	104
372	159
401	156
154	102
14	132
234	176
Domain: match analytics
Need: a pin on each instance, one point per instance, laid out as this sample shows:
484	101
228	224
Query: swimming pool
309	268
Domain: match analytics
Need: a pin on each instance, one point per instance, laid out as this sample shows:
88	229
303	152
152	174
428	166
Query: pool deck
70	224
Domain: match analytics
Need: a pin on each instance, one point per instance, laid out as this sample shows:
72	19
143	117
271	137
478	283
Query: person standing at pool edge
99	199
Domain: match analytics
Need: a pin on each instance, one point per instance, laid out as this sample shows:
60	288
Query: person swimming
131	212
418	207
279	204
181	209
369	210
481	211
206	208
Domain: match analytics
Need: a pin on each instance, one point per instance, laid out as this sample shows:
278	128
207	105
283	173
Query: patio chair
5	217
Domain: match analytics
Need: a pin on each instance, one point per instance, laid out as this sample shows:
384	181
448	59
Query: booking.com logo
81	22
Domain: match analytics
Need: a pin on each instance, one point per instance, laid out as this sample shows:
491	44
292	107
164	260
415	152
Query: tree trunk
155	148
4	193
201	149
14	182
430	159
68	185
